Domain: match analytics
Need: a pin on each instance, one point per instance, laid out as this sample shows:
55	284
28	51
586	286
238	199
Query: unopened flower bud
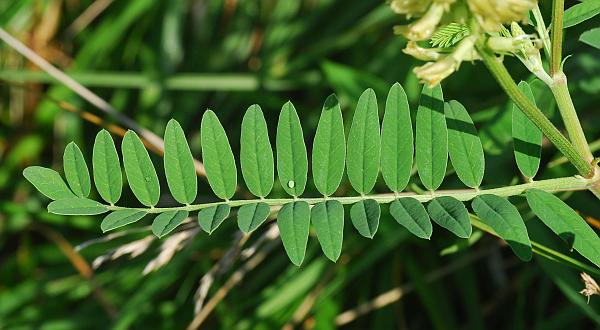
418	52
410	8
424	27
433	73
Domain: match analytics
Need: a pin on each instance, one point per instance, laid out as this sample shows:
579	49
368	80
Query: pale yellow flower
424	27
432	73
418	52
491	14
410	8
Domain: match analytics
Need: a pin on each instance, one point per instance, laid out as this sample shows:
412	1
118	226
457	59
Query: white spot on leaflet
291	184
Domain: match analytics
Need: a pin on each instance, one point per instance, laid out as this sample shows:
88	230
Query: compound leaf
397	149
179	164
251	216
121	218
364	144
505	220
107	168
451	214
329	148
76	170
328	220
140	171
464	145
365	217
48	182
292	161
431	138
411	214
166	222
256	154
217	156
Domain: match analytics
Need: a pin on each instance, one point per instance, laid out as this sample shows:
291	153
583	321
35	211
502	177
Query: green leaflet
293	221
365	217
464	145
140	171
505	220
411	214
211	218
292	161
329	148
107	168
217	156
48	182
431	138
591	37
565	223
76	206
76	170
179	164
580	12
166	222
527	137
121	218
256	154
451	214
364	144
251	216
396	140
328	220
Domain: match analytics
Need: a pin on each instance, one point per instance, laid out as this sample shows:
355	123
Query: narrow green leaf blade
48	182
505	220
591	37
565	223
329	148
212	217
251	216
121	218
293	221
365	217
166	222
139	169
411	214
76	206
179	164
256	153
107	168
431	138
292	161
217	156
464	145
76	170
580	13
397	149
364	144
527	137
328	220
451	214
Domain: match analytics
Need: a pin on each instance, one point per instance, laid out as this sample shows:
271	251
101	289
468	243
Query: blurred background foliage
156	60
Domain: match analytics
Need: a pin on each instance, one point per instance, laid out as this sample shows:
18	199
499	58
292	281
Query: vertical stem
561	93
558	9
499	71
541	29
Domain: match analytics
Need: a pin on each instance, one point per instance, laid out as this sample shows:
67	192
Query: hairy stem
498	70
551	185
558	10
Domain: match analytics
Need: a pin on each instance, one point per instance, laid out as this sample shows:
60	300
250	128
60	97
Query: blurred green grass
156	60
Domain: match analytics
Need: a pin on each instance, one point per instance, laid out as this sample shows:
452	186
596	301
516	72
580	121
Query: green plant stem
551	185
558	10
541	29
568	113
498	70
